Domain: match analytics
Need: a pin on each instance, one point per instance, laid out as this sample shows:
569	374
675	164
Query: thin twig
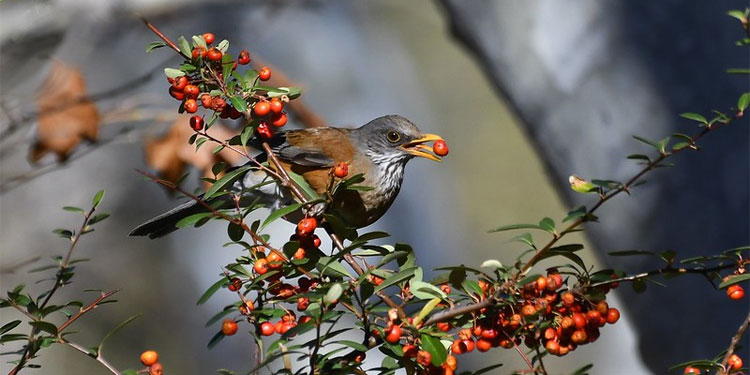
85	351
733	345
86	309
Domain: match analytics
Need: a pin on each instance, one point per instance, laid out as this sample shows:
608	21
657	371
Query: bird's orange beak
418	148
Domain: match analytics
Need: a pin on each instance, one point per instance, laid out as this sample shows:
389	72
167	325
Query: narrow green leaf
193	219
734	280
647	141
694	117
404	275
9	326
173	73
73	209
224	181
45	326
279	213
547	224
333	294
154	45
113	331
98	198
211	290
743	101
516	226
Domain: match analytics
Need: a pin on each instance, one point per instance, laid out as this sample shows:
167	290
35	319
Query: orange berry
198	52
692	370
568	298
409	350
306	226
261	266
528	310
303	303
443	326
214	54
579	320
274	260
446	288
735	292
149	357
191	91
578	337
393	334
279	119
190	105
276	105
180	82
177	94
262	108
541	283
209	38
440	148
424	358
229	327
553	347
735	362
483	345
264	74
341	170
206	100
235	284
267	329
299	254
613	315
451	362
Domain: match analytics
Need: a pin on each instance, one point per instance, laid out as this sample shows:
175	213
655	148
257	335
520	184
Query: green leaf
577	212
333	294
694	117
404	275
435	348
98	198
198	41
743	101
331	266
173	73
738	14
548	225
516	226
9	326
235	231
247	132
639	157
423	290
487	369
492	263
583	370
216	339
73	209
647	141
97	218
738	71
154	45
353	345
193	219
64	233
45	326
223	46
184	46
734	280
302	183
211	290
113	331
632	252
222	182
280	212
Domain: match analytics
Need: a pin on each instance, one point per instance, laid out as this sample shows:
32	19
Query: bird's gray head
393	139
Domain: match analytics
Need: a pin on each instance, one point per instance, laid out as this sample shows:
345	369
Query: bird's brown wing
312	152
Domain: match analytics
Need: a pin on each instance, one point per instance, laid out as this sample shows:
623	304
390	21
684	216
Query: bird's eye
393	136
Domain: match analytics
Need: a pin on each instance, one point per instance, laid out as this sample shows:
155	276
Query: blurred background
525	93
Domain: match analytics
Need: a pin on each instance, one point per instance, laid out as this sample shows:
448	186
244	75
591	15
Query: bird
379	150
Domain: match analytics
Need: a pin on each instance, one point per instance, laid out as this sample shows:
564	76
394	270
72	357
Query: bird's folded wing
315	148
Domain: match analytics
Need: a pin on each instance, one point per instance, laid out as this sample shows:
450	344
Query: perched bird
379	149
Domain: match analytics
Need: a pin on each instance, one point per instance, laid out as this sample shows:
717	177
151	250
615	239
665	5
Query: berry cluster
209	78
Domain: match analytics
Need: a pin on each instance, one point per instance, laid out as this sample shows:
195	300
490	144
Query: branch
733	345
85	351
86	309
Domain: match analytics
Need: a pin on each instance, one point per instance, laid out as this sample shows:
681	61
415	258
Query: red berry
214	54
440	148
191	91
206	101
244	57
306	226
262	108
229	327
275	260
264	130
266	328
613	315
177	94
190	105
180	83
735	362
276	105
299	254
424	358
735	292
484	345
149	357
393	334
209	38
261	266
156	369
553	347
692	370
443	326
196	122
218	104
264	74
409	350
303	303
279	119
198	52
235	284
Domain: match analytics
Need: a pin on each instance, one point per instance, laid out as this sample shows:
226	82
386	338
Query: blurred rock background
564	67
